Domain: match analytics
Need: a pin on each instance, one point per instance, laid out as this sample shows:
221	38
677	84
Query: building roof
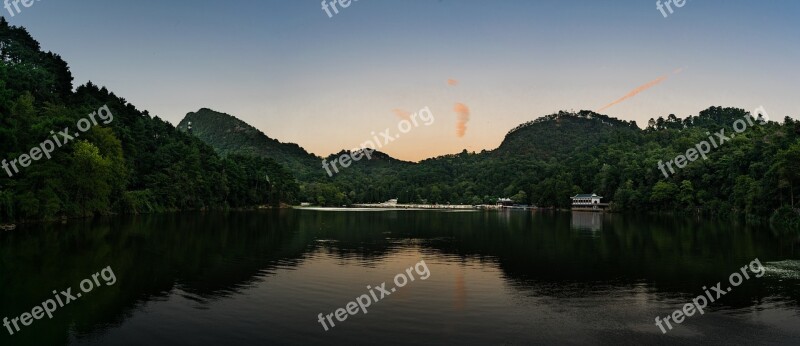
586	195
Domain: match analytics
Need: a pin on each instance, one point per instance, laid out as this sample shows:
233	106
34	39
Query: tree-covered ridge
363	181
140	163
604	119
545	161
228	135
565	132
136	163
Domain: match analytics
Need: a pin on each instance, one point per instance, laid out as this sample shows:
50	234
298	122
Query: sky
481	67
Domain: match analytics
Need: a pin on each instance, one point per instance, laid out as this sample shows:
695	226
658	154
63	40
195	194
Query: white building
587	201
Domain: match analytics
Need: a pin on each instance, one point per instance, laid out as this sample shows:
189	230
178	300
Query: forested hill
228	135
140	163
546	160
558	135
132	163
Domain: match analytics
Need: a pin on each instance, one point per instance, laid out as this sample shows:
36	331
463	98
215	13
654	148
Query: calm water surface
499	278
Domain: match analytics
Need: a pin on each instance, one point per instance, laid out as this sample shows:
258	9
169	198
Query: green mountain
230	135
546	137
139	163
129	162
481	177
549	159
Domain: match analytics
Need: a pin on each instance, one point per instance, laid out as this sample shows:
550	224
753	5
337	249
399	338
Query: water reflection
587	221
249	260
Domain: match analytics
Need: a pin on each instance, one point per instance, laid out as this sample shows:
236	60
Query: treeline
136	163
545	161
229	135
139	163
756	173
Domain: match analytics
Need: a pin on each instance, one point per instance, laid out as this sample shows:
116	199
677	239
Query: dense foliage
231	136
140	163
135	163
545	161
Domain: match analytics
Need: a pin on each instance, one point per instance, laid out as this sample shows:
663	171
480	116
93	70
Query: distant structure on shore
508	203
505	202
395	205
588	202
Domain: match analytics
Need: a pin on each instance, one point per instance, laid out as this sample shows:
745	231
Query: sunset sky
483	67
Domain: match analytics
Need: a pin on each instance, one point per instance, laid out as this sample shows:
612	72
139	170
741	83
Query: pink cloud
640	88
406	115
462	117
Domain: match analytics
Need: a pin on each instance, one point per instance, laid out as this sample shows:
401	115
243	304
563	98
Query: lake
493	277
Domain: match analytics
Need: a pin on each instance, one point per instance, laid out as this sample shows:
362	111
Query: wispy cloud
639	89
452	82
462	117
402	114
